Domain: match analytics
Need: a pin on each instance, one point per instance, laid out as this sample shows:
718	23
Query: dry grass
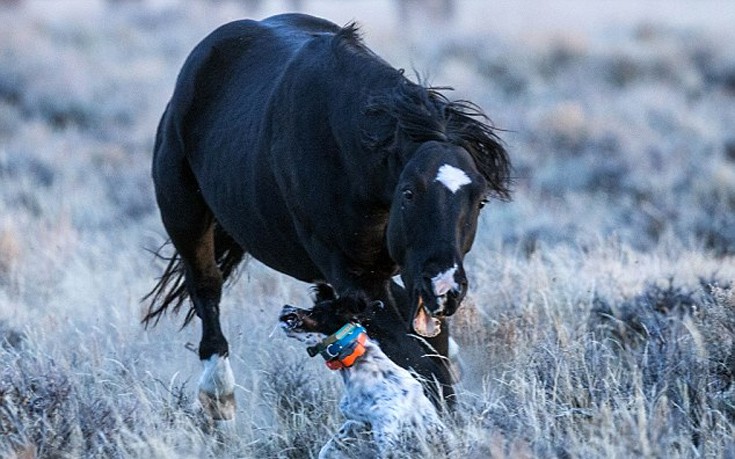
601	321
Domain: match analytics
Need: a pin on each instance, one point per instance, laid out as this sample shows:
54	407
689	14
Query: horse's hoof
218	407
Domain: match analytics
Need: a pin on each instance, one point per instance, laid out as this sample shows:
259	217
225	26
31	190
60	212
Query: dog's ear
323	292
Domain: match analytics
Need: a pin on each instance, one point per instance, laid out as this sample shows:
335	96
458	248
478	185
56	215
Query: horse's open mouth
424	324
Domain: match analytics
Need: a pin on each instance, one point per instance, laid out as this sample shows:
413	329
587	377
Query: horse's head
432	225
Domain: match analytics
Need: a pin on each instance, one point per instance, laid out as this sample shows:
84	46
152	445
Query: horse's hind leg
190	224
217	383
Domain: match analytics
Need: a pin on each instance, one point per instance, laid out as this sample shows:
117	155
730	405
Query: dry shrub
51	408
471	327
681	343
304	407
568	126
35	407
10	337
468	326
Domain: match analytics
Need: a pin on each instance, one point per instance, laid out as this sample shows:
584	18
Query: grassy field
601	315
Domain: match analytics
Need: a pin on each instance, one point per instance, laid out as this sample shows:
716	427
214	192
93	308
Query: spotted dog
381	399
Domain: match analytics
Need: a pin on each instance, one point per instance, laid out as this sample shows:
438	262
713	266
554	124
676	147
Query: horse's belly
290	261
274	244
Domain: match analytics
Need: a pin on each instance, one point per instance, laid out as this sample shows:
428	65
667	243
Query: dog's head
328	314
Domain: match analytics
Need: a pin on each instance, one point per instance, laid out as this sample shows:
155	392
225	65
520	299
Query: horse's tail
171	291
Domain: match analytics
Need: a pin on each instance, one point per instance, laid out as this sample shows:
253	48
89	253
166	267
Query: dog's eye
407	195
483	202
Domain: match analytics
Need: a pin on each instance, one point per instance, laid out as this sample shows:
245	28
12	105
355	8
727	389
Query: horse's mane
349	34
423	114
348	43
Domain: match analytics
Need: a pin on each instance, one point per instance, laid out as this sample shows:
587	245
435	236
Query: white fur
388	400
452	177
217	378
444	282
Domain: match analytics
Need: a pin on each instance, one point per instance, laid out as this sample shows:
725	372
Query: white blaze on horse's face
452	177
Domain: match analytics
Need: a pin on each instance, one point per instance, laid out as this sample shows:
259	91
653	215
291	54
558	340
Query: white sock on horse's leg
217	388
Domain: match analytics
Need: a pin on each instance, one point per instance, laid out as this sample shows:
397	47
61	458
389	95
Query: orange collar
343	348
349	356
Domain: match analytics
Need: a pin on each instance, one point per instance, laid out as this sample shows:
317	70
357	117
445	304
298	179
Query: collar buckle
332	351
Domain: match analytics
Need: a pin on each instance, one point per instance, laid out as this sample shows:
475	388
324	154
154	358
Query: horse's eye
407	195
483	202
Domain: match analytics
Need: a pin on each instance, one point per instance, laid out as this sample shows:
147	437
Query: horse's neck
383	167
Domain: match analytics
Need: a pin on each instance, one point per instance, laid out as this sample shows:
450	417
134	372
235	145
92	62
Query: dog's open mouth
424	324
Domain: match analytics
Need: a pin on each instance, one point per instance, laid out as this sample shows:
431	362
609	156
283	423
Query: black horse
289	140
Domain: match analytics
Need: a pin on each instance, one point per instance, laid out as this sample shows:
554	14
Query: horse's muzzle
443	292
436	297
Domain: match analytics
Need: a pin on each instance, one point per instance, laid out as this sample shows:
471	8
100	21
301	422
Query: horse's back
217	114
232	72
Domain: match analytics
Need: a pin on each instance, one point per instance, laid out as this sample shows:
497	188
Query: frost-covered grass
601	319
